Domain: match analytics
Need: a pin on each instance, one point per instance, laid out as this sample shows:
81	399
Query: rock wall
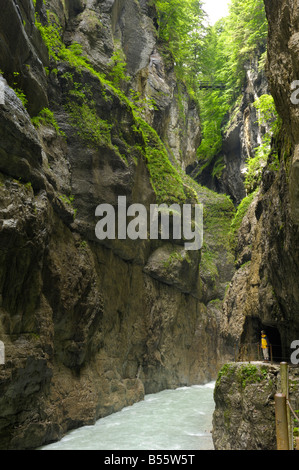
244	418
242	135
90	326
264	291
282	71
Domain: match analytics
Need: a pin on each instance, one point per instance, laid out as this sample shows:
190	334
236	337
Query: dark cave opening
275	341
251	337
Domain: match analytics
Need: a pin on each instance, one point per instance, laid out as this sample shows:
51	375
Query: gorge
99	103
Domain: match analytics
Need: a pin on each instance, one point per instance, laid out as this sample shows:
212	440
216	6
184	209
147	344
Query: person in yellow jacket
265	345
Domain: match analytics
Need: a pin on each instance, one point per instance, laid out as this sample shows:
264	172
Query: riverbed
179	419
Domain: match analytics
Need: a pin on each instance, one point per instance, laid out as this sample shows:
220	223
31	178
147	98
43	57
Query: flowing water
178	419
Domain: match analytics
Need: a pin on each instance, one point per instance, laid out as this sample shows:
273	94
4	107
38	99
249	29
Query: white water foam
178	419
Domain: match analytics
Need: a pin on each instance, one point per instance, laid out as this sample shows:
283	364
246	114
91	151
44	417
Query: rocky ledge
244	417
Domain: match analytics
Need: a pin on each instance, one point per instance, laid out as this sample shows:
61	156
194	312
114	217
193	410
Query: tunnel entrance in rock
275	341
251	337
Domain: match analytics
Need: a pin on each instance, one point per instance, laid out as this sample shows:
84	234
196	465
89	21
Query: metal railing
250	352
212	85
283	412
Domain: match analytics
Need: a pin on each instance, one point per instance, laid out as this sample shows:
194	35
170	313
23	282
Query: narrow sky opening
216	9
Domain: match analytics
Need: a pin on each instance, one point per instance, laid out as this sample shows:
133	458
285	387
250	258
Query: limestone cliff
241	136
90	326
244	418
264	291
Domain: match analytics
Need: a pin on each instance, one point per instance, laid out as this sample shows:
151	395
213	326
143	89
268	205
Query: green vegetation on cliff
181	28
46	117
201	54
166	179
219	56
214	55
269	120
228	46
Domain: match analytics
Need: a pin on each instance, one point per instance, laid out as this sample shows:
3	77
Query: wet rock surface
90	327
263	293
244	417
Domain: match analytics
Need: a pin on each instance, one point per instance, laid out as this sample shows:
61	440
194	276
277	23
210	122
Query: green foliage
245	374
139	104
214	103
208	263
218	167
18	90
173	258
217	217
227	47
270	121
218	213
21	95
211	54
249	374
166	180
181	28
267	116
51	34
118	69
89	126
46	117
254	170
198	54
226	371
248	25
68	201
73	55
213	107
241	211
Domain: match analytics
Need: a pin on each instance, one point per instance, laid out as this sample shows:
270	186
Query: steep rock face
244	418
269	234
264	292
23	53
242	135
282	72
90	326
